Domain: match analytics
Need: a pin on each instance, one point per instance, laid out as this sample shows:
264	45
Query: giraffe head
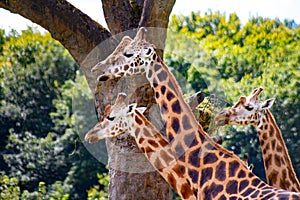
131	56
248	110
116	120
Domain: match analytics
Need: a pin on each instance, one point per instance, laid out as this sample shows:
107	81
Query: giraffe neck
204	162
169	97
157	150
278	166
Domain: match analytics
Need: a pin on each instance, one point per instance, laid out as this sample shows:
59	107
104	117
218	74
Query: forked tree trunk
80	35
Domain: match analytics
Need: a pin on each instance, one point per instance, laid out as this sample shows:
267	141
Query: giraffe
251	111
212	171
119	119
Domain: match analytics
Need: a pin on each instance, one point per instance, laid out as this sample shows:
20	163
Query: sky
282	9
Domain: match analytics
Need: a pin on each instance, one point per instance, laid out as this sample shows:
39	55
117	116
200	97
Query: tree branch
65	23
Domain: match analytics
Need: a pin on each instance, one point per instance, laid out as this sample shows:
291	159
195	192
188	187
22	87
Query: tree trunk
81	35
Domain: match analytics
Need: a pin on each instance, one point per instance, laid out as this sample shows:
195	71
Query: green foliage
95	192
34	66
46	108
9	189
39	159
217	54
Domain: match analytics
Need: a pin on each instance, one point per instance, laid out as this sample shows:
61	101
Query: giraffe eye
249	108
128	55
110	118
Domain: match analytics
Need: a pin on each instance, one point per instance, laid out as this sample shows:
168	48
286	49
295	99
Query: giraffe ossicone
251	111
211	171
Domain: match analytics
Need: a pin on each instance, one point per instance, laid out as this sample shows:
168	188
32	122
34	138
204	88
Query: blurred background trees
43	98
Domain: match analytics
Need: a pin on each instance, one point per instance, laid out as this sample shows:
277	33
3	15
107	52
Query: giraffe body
251	111
212	171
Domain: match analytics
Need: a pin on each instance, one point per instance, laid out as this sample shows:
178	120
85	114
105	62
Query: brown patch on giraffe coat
155	84
163	89
162	76
156	95
170	95
271	131
265	136
172	181
126	67
179	170
220	173
273	144
210	192
193	174
232	187
180	152
279	149
137	132
186	122
175	124
153	143
209	146
146	132
163	143
141	140
267	146
158	59
171	86
255	182
284	182
241	174
210	158
206	175
272	177
163	108
243	184
176	108
170	136
190	140
157	67
194	158
150	74
138	120
233	167
186	191
154	56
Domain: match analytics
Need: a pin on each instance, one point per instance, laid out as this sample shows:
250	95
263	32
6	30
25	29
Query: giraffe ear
268	103
141	109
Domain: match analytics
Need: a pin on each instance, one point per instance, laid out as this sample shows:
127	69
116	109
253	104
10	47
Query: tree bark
80	35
